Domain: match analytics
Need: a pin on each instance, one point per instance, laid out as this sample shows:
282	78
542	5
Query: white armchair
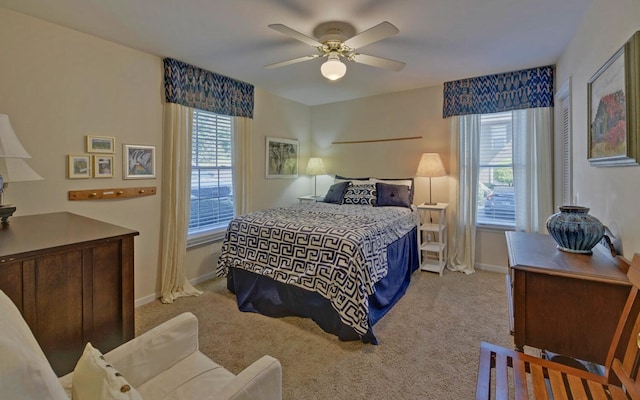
163	363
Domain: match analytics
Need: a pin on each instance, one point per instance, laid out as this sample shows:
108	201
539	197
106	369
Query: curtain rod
378	140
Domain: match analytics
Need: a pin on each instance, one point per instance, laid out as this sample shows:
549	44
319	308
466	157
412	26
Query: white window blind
496	197
563	171
211	173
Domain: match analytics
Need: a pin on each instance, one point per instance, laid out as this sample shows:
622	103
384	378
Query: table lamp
12	164
315	167
430	165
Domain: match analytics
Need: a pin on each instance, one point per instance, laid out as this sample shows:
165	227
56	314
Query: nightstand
432	237
310	198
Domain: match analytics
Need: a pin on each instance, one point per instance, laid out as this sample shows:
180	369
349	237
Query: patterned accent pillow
360	194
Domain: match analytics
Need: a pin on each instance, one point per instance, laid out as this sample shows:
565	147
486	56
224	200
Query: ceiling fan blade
293	61
285	30
381	31
378	62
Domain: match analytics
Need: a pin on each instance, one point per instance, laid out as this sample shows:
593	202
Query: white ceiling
439	40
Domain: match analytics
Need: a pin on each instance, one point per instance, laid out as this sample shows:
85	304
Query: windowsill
494	227
202	238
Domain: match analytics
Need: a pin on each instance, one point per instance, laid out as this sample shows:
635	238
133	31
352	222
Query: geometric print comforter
337	251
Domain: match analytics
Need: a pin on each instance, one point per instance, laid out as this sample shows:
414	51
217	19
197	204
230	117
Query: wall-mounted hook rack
118	193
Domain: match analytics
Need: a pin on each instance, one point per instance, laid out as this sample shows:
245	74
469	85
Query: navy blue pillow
392	195
336	193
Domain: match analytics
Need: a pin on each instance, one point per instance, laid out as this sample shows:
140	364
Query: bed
343	263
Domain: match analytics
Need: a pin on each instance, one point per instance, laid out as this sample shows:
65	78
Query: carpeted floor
428	343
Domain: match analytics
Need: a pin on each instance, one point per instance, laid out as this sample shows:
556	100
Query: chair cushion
25	372
95	379
195	377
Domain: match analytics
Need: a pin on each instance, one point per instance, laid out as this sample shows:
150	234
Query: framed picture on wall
139	162
102	166
101	144
282	158
613	108
78	166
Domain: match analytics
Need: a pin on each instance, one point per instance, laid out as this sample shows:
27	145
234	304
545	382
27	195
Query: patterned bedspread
337	251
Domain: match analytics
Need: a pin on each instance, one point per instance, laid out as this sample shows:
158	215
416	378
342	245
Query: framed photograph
139	161
101	144
614	108
78	166
102	166
282	158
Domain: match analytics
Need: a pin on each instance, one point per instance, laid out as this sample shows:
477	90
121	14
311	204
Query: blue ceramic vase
575	230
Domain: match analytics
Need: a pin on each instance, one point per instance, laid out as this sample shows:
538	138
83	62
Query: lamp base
431	204
5	213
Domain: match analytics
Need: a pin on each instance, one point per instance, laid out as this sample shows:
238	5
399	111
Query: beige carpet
428	343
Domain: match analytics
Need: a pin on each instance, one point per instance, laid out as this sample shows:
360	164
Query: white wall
395	115
58	85
611	193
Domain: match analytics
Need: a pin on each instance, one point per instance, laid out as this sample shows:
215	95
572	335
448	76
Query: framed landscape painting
100	144
78	166
282	158
613	108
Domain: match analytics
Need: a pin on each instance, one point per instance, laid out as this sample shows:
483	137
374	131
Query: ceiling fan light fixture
333	69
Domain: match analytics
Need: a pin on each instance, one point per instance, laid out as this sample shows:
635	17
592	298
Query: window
211	176
496	196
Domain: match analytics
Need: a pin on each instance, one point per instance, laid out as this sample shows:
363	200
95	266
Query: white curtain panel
176	193
242	164
532	168
465	148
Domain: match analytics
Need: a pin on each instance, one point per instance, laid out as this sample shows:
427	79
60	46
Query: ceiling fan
336	40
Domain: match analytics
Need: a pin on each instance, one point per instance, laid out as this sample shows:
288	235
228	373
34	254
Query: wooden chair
522	376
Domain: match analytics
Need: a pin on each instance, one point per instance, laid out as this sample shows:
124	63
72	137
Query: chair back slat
547	379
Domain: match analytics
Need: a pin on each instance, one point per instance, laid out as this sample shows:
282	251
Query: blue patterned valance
198	88
529	88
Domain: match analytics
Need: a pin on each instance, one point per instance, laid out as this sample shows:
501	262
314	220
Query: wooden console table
71	277
563	302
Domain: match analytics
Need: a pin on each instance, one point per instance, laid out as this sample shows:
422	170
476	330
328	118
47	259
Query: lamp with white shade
315	167
430	166
12	164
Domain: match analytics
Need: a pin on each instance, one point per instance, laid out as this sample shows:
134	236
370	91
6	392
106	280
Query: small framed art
102	166
282	158
614	108
139	162
78	166
101	144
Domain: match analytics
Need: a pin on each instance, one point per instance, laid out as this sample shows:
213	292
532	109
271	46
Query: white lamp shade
430	165
333	68
9	144
17	170
315	166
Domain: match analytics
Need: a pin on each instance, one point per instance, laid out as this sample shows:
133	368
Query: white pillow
94	379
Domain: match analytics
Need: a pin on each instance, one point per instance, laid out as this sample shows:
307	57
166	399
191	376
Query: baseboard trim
152	297
492	268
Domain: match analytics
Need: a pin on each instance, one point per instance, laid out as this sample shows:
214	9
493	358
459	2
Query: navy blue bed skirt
263	295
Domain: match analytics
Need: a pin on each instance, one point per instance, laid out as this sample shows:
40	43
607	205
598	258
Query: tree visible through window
496	196
211	173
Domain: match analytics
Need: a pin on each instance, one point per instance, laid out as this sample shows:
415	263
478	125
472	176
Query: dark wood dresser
72	279
563	302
